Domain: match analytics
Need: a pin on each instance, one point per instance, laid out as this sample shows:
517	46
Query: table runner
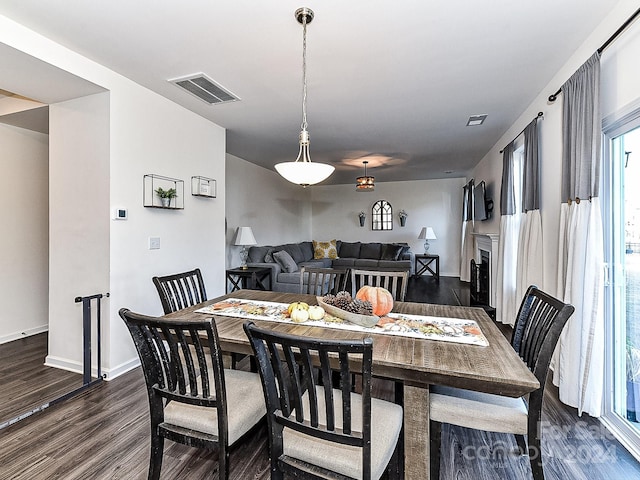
418	326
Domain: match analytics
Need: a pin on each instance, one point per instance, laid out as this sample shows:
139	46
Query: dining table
412	363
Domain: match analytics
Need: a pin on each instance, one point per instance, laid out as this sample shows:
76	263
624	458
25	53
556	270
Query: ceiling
393	82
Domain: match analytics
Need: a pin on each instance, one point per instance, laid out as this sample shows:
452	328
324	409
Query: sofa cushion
349	249
389	251
343	262
325	249
307	251
285	261
320	263
256	254
366	263
294	250
370	250
293	277
394	265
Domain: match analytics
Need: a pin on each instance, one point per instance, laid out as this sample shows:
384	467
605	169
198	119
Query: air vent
475	120
205	89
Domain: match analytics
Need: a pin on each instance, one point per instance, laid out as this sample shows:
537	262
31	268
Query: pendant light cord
304	72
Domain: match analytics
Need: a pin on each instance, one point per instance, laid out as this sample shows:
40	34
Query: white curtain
530	238
579	361
507	301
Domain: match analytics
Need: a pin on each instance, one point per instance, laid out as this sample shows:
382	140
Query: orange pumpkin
380	298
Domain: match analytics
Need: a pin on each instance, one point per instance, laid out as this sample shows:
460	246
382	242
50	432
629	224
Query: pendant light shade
303	171
366	183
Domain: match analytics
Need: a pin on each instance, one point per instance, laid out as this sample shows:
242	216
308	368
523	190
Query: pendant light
303	171
365	183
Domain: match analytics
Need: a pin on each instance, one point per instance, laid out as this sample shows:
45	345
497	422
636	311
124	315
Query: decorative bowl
355	318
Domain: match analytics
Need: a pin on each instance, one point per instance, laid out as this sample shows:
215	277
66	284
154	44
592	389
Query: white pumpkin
299	315
316	312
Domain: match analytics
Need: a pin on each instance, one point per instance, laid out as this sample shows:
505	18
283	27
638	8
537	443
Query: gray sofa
366	255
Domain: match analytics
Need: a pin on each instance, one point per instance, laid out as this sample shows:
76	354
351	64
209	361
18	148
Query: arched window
382	216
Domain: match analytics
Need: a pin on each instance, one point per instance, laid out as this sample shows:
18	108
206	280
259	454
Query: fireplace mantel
489	243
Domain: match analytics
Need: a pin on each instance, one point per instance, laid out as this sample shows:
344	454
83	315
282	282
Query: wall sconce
403	217
362	217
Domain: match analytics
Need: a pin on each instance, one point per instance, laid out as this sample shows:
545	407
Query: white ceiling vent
205	89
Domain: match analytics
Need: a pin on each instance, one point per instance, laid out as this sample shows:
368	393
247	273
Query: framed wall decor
382	216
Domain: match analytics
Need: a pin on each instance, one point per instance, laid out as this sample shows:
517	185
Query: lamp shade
244	236
427	233
304	173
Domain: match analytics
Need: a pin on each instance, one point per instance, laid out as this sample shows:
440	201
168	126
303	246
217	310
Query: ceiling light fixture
303	171
365	183
476	120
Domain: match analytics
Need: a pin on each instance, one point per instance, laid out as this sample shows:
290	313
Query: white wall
277	211
434	203
620	85
145	134
24	243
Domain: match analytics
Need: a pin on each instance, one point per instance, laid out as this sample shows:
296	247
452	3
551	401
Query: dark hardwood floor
103	433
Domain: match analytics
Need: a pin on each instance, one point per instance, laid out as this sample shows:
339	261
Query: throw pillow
390	251
269	256
325	249
370	251
350	250
285	261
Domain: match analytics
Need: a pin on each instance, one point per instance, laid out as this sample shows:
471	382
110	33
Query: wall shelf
203	187
151	199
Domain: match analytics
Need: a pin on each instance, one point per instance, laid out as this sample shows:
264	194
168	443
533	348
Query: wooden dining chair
537	329
180	290
394	281
319	431
193	400
321	281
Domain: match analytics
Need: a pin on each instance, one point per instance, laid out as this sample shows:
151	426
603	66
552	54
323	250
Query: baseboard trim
76	367
23	334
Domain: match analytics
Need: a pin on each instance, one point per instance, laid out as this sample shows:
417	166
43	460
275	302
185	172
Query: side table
254	278
423	263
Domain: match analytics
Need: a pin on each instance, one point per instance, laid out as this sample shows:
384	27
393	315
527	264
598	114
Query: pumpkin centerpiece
380	298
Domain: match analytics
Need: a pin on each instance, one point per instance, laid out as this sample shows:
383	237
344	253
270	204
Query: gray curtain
507	199
531	173
581	132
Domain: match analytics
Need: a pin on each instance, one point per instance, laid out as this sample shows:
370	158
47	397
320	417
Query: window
382	216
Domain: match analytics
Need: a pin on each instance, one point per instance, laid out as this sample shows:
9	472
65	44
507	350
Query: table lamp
244	237
427	234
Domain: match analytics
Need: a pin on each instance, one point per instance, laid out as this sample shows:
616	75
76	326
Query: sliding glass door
621	197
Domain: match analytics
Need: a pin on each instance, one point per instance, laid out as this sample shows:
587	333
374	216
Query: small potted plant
362	216
403	217
166	196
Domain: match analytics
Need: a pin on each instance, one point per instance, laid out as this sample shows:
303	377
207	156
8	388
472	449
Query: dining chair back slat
180	290
320	281
394	281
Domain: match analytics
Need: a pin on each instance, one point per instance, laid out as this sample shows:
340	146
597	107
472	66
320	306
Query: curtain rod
540	114
552	98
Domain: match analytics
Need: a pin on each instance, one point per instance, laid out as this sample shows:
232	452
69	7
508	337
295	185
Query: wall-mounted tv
482	206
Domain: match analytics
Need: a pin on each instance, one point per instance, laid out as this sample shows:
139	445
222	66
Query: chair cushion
285	261
482	411
245	407
386	421
325	249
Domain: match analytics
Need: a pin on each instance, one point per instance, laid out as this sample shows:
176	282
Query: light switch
154	243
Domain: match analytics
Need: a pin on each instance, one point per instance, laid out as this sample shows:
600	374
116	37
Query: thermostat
120	214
